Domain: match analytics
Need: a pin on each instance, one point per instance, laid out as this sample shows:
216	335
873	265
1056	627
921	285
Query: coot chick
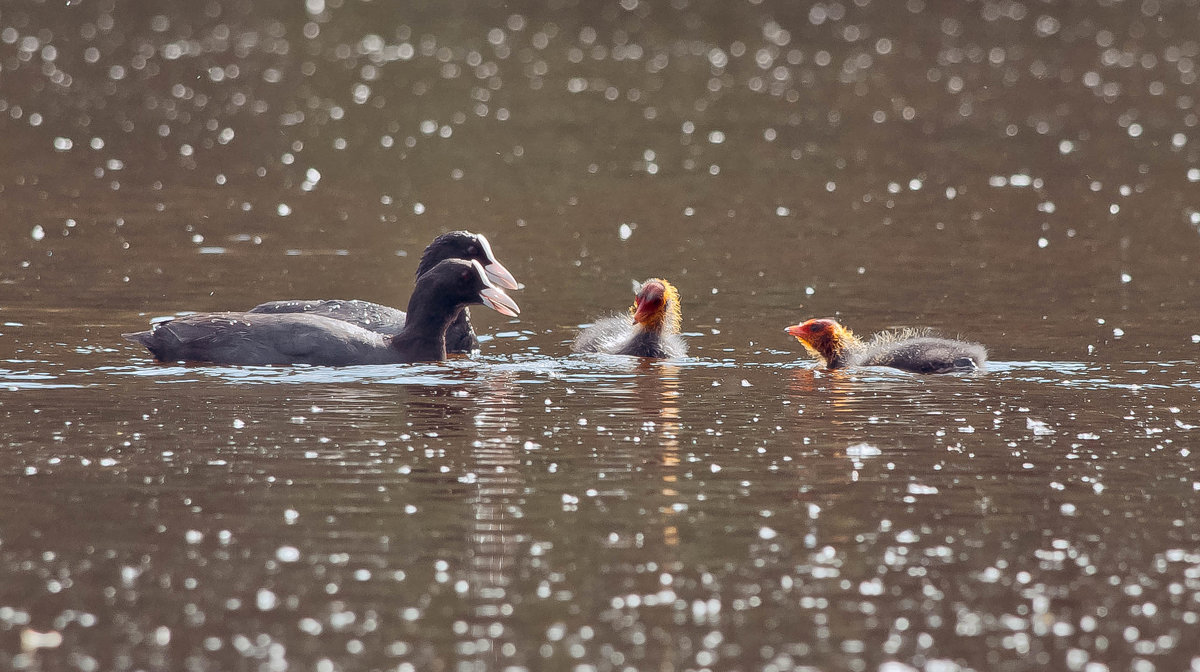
915	350
460	337
653	331
304	338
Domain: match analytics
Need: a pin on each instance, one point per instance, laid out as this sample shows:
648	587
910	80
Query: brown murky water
1023	174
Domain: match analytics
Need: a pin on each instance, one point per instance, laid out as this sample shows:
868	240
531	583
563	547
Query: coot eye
472	250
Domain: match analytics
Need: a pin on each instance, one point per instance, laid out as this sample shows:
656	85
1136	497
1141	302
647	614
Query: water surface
1023	175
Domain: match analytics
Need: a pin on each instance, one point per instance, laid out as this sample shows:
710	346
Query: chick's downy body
913	350
651	329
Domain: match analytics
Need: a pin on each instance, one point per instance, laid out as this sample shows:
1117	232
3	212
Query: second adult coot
460	336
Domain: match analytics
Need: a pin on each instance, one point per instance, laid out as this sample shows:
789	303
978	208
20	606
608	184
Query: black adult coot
304	338
915	350
460	337
653	330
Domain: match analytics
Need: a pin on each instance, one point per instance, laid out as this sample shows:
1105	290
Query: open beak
498	274
496	271
497	300
644	312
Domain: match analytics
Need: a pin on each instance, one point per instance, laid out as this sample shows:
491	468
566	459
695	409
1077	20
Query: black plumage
460	336
305	338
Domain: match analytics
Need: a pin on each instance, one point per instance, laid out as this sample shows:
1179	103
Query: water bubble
265	600
625	231
863	450
1047	25
38	233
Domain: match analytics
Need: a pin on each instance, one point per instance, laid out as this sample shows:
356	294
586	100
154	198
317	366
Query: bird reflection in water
495	480
840	390
657	390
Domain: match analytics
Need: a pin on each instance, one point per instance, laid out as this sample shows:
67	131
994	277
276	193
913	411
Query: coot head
468	246
822	337
656	305
455	282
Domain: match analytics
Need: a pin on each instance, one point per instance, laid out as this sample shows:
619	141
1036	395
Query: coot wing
371	316
264	339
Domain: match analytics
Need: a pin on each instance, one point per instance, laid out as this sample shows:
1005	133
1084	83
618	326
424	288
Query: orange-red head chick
656	306
826	340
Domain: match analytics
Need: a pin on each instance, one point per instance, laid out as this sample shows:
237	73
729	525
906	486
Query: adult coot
915	350
460	337
307	338
653	330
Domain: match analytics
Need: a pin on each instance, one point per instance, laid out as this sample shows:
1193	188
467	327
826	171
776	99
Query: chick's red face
813	332
649	301
819	327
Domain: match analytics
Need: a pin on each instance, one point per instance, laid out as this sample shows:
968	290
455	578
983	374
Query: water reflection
491	483
658	392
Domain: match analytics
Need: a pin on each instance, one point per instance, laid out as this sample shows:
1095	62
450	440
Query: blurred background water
1023	174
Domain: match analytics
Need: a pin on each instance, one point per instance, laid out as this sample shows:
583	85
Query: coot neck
424	333
838	358
842	351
